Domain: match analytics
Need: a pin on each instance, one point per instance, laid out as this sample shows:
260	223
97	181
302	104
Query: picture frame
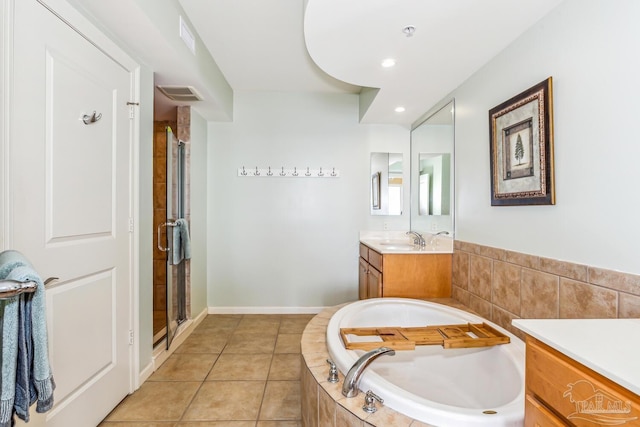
521	148
375	190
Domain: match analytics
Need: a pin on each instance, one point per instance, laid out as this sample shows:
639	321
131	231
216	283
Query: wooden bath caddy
448	336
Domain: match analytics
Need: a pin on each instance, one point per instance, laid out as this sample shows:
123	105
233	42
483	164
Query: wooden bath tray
448	336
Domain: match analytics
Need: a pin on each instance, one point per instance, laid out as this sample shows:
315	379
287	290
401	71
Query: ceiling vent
181	93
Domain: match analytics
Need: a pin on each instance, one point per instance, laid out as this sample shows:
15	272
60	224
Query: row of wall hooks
294	172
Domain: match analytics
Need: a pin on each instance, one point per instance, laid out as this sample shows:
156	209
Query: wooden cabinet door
374	283
417	276
363	277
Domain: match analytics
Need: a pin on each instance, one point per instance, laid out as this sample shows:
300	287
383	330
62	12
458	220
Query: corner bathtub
442	387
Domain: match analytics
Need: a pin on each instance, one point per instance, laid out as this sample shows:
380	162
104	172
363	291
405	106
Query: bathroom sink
397	246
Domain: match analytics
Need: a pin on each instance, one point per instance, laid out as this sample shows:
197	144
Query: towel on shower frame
181	242
26	374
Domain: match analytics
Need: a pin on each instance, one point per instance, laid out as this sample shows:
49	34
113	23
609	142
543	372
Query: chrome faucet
418	239
352	379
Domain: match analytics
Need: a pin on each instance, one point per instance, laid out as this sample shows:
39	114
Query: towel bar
10	288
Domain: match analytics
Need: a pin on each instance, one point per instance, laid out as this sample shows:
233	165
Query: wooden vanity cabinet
404	275
561	392
370	276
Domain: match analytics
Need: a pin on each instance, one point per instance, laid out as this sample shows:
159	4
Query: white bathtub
441	387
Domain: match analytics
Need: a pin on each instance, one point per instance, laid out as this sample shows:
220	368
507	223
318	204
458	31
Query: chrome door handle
166	224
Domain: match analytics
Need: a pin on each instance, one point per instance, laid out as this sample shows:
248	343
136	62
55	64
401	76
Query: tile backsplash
502	285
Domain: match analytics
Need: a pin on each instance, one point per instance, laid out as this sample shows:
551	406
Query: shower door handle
166	224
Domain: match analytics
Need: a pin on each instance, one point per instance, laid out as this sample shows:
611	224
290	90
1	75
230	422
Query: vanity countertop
398	242
610	347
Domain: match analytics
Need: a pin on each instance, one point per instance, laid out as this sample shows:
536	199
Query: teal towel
181	242
26	374
10	260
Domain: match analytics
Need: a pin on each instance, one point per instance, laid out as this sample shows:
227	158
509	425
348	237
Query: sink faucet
418	239
352	379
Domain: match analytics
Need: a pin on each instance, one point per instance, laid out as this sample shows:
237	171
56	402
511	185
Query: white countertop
610	347
398	242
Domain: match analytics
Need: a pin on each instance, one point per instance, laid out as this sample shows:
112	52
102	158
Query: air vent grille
181	93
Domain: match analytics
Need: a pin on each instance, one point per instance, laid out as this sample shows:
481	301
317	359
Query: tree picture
519	152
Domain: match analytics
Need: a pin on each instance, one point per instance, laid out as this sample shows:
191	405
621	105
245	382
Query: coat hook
333	172
307	173
244	172
320	173
257	171
283	173
88	119
269	173
295	171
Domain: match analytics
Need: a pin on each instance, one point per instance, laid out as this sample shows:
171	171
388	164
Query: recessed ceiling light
399	110
389	62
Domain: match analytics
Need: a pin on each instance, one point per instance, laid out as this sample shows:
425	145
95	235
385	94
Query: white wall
291	242
198	207
589	47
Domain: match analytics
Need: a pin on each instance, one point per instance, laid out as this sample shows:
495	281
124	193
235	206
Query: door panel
70	201
94	144
97	355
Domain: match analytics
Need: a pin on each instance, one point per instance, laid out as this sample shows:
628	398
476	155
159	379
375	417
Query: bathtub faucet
352	379
418	239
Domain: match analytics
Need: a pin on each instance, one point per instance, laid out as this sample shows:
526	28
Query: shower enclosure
175	208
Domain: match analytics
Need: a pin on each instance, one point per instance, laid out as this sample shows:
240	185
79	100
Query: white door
70	207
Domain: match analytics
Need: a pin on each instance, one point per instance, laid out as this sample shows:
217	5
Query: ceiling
277	45
333	46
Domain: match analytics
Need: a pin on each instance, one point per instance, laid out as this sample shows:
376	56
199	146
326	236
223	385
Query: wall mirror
432	171
386	184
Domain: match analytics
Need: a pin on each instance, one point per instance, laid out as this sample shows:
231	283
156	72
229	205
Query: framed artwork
521	148
375	190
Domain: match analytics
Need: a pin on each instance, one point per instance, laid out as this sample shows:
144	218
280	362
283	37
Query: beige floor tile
241	367
250	343
285	367
270	317
218	323
288	343
294	325
235	393
280	424
137	424
263	325
203	343
156	401
216	424
185	367
214	331
226	400
300	316
281	401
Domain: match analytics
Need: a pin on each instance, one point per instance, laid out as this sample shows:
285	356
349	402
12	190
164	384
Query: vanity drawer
364	252
375	260
579	394
539	416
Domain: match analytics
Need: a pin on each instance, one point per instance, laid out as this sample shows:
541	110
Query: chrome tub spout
352	379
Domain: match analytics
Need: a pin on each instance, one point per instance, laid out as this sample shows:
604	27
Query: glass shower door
176	269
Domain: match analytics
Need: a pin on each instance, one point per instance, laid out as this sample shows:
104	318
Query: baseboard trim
265	310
